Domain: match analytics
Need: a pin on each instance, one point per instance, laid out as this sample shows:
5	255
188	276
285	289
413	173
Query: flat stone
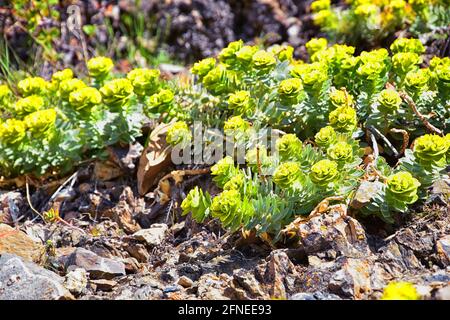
22	280
152	236
98	267
18	243
103	284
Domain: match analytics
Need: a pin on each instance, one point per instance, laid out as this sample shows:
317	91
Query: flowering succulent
402	187
179	134
198	203
417	81
339	98
34	85
430	149
315	45
99	67
5	96
144	81
28	105
223	171
85	98
324	172
290	90
283	53
62	75
236	125
319	5
12	131
407	45
40	121
289	147
116	93
325	137
216	80
340	152
287	175
235	183
226	206
442	73
263	61
204	66
228	54
161	100
313	75
389	101
66	87
245	54
240	101
400	291
403	62
343	119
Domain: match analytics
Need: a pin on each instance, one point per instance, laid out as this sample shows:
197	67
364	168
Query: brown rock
18	243
185	282
443	250
353	279
103	284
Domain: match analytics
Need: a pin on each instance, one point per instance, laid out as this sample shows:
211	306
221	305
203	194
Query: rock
443	293
443	250
332	230
279	274
246	286
18	243
137	251
185	282
314	296
98	267
10	206
212	288
352	280
76	281
102	284
122	214
398	259
22	280
153	236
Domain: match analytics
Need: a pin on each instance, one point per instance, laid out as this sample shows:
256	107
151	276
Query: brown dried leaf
155	159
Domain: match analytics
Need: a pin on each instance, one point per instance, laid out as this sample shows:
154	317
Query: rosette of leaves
325	137
339	98
343	119
232	211
288	176
416	82
28	105
401	191
145	81
228	54
407	45
241	103
263	62
116	93
324	172
39	122
237	128
179	134
66	87
290	91
5	97
223	171
33	85
203	67
315	45
198	203
282	52
289	147
160	102
59	77
82	100
99	68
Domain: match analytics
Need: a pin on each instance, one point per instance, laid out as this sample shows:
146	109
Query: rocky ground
116	245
